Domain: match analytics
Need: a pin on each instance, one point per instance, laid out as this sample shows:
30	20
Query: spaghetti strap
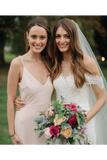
32	92
22	61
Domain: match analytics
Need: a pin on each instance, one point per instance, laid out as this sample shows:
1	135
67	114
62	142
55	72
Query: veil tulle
101	117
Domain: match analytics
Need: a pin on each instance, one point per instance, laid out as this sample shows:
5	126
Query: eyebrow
36	34
64	34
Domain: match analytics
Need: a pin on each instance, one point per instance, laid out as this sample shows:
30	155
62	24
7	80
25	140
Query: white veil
101	117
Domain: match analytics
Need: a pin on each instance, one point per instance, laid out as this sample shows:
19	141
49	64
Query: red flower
73	107
66	105
54	130
85	115
73	121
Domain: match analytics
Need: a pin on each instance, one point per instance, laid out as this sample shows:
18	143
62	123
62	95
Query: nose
62	40
37	41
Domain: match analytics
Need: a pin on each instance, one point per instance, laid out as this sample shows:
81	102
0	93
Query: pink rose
49	112
54	130
73	121
47	133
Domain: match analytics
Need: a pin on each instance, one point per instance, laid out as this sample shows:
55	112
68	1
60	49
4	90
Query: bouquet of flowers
62	120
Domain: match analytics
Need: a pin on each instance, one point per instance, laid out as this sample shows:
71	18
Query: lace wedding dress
65	87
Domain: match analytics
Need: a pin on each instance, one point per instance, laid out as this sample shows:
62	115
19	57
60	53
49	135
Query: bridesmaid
30	73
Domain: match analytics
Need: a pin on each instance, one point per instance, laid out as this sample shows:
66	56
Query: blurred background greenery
12	44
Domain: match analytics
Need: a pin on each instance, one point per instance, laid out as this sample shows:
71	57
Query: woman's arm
100	102
99	93
12	83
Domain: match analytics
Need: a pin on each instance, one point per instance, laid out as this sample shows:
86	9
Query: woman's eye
57	36
67	36
42	37
33	36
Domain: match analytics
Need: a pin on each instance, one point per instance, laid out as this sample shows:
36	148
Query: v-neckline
36	79
69	75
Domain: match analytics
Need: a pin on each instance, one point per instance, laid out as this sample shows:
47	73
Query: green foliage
55	103
61	114
56	141
17	45
41	134
4	134
38	120
78	119
71	141
48	141
65	125
60	109
6	26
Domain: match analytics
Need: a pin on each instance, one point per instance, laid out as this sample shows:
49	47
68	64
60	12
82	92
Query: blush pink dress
37	98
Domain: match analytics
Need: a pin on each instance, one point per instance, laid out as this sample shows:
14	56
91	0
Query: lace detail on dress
94	80
65	87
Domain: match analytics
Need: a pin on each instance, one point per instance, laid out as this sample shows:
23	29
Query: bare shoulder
16	62
16	66
90	65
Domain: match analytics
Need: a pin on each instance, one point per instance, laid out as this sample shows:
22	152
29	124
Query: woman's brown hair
46	54
76	54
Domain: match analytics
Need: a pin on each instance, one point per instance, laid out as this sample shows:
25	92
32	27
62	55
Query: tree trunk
2	44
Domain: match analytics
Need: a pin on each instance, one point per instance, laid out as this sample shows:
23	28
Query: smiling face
37	38
62	40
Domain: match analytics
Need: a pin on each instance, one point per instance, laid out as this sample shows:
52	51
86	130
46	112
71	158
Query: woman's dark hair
46	54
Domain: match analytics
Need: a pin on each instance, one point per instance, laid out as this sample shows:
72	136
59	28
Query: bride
75	73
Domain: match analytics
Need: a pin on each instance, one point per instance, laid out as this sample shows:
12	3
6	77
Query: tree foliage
7	23
100	37
95	30
12	32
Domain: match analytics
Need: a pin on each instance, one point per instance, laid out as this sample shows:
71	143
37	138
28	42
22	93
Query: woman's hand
19	104
15	140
